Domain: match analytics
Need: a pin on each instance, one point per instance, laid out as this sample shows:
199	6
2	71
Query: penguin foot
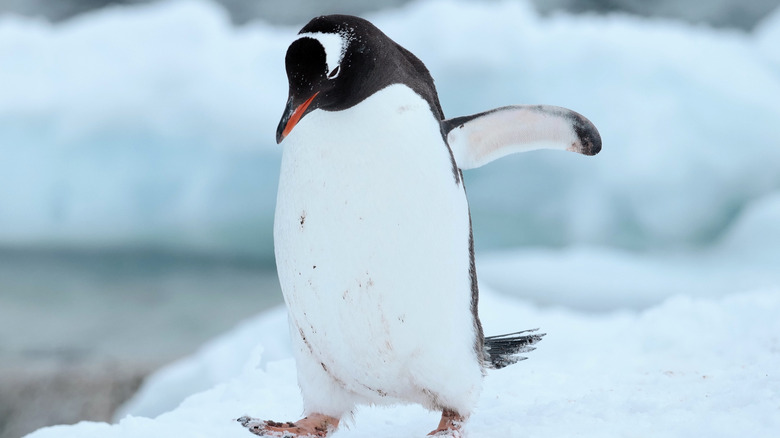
314	426
450	426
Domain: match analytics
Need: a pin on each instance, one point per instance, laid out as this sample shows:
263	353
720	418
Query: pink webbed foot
315	426
450	426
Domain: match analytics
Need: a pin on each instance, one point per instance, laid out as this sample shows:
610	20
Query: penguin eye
334	73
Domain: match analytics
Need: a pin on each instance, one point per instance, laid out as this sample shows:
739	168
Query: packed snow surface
688	367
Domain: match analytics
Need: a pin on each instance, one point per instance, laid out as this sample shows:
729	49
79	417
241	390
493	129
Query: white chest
371	236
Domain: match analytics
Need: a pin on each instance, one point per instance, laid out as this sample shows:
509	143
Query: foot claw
314	426
450	426
447	433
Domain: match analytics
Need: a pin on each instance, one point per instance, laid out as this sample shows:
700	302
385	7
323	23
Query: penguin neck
395	111
391	119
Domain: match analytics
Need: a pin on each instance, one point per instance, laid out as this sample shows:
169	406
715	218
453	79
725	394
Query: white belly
371	239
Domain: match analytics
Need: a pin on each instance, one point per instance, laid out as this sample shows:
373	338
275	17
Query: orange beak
291	117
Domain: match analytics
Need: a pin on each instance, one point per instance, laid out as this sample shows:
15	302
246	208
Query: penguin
372	229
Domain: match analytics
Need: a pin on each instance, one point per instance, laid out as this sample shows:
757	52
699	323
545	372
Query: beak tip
280	131
291	117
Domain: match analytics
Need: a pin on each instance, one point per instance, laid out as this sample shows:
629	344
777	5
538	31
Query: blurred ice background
138	167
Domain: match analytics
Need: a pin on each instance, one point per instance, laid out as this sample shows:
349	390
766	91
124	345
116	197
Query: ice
154	126
140	127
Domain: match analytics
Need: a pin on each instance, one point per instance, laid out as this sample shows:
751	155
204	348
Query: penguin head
337	61
317	73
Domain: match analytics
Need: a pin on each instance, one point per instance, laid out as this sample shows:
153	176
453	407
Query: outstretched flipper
478	139
503	350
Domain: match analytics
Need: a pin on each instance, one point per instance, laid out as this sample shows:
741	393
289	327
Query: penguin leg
315	425
451	425
325	400
323	393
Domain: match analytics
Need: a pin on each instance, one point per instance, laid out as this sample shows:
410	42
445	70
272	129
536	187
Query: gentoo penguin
372	230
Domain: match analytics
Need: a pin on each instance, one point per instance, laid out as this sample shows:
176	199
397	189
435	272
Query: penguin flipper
478	139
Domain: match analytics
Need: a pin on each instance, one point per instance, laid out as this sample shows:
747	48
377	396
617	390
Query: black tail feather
503	350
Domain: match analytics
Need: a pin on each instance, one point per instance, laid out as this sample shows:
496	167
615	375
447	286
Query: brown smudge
303	336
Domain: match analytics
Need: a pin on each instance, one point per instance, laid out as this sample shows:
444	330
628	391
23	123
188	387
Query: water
74	306
79	331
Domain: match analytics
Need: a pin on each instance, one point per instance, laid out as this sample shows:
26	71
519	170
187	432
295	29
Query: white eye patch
335	46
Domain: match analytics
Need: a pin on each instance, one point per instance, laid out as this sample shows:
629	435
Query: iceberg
152	127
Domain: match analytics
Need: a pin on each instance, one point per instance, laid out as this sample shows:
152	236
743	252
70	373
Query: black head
340	60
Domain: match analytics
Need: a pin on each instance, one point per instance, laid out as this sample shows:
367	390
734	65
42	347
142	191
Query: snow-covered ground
654	267
688	367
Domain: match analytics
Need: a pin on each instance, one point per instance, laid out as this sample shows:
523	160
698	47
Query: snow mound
254	343
687	367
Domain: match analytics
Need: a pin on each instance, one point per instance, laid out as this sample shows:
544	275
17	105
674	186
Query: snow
746	258
154	126
255	342
652	267
687	367
335	46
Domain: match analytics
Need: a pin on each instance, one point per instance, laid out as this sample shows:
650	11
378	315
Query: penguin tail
503	350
